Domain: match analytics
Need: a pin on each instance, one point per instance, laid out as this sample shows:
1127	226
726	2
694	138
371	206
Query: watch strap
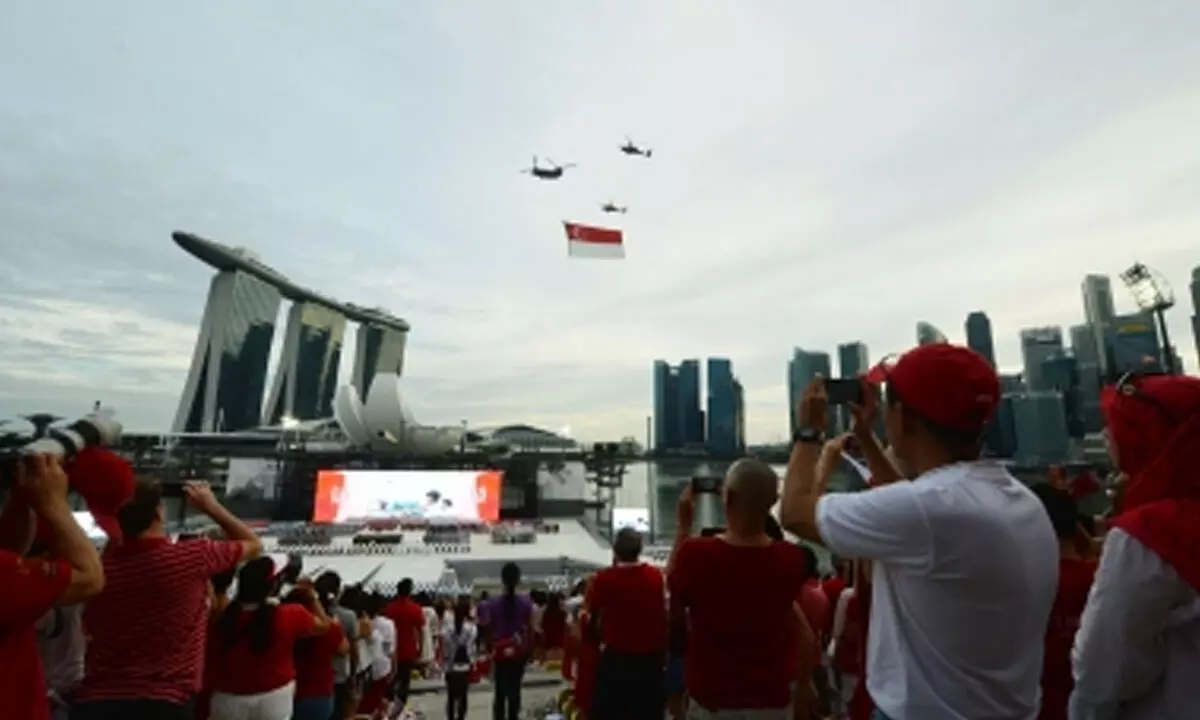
808	435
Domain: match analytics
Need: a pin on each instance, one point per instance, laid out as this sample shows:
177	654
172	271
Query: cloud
822	173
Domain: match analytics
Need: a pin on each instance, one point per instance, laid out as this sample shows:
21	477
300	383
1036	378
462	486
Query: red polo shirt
245	672
28	588
314	663
409	619
630	602
149	625
738	657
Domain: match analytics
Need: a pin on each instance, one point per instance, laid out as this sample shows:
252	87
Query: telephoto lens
96	429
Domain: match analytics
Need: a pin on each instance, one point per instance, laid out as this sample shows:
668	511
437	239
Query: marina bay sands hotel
227	381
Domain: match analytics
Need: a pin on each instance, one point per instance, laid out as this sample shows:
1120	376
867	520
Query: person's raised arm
798	507
44	483
201	497
685	517
883	470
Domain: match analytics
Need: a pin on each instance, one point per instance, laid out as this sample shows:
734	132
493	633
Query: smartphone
710	484
843	391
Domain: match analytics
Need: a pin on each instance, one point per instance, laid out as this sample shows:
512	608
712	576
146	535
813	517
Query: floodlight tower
1153	294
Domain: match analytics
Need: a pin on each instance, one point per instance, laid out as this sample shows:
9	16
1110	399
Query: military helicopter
630	149
610	207
550	171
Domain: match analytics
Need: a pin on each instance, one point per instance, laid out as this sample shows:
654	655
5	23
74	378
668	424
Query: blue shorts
674	675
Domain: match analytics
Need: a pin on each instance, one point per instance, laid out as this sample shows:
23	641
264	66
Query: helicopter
630	149
550	171
610	207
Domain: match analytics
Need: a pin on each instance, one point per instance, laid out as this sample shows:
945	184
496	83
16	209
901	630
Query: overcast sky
822	172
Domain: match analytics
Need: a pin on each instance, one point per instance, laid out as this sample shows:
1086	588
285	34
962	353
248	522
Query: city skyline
840	173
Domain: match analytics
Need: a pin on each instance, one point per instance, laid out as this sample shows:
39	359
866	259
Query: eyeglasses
1127	385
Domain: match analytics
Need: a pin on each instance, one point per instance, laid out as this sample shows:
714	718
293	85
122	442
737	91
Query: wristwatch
808	435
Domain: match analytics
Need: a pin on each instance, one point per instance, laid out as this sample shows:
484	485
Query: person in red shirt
1075	575
814	603
628	615
218	601
148	629
554	627
588	659
31	587
409	619
735	661
313	658
256	639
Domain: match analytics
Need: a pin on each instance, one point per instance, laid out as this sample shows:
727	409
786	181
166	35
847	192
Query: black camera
99	428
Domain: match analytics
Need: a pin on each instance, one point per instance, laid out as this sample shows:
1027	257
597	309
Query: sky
822	173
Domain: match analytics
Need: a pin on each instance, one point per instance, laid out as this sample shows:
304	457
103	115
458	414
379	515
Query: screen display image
90	528
359	495
636	518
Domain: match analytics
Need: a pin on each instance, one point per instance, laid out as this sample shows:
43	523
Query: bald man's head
751	489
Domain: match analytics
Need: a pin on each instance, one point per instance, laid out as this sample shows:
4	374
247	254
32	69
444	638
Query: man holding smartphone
736	662
964	558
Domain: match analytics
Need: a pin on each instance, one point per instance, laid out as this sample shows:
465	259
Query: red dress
554	629
585	669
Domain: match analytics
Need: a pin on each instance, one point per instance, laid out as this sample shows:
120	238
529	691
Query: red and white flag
588	241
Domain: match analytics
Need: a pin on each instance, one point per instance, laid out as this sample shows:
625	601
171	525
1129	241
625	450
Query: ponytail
510	576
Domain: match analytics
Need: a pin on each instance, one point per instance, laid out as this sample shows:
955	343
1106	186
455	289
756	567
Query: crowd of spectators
956	592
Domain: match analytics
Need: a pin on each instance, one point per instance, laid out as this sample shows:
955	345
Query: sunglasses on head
1127	386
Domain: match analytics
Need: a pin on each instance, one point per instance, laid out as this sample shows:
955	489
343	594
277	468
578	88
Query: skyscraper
1037	344
1060	372
1195	288
224	386
852	362
852	359
927	334
1098	311
379	347
739	426
979	335
308	365
678	419
722	411
1041	428
1087	365
1134	345
690	411
667	433
802	368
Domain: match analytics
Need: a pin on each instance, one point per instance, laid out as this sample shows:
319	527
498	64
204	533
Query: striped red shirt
147	629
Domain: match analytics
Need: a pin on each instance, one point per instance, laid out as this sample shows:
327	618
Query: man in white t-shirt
965	559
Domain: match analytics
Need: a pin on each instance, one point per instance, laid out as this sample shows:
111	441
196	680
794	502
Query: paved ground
479	707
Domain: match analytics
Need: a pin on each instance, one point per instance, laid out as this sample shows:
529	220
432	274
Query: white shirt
61	645
451	641
428	633
383	645
1137	652
965	572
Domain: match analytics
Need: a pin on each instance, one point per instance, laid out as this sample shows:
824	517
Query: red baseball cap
105	481
950	385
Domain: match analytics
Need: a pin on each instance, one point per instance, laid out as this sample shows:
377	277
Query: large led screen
357	495
636	518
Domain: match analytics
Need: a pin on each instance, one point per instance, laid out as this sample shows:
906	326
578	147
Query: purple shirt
498	620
